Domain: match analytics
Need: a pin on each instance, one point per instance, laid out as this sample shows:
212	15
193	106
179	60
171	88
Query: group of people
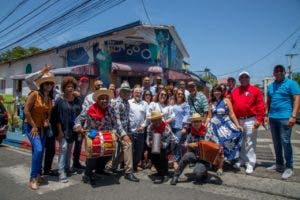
152	122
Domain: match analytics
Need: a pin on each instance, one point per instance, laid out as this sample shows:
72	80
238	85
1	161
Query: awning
78	70
135	68
176	75
87	69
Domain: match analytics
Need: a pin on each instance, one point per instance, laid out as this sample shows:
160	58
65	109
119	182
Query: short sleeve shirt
281	96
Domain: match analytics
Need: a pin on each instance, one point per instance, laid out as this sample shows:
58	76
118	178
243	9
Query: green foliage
18	52
296	77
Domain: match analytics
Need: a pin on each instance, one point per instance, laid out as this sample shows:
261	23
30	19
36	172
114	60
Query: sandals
33	184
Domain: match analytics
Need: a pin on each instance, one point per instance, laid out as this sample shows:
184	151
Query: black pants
185	160
95	164
77	151
49	153
160	162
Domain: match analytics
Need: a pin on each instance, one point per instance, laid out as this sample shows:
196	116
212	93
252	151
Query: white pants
247	154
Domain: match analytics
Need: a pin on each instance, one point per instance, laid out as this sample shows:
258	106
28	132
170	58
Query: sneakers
249	169
237	165
278	168
287	173
63	178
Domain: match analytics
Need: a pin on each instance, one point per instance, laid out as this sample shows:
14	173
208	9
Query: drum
103	144
210	152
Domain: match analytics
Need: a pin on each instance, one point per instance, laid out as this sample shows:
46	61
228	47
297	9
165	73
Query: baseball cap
83	78
244	72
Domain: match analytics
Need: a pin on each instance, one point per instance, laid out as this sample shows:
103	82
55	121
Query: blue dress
223	131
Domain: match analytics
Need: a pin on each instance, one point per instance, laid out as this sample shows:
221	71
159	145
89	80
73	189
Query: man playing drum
98	117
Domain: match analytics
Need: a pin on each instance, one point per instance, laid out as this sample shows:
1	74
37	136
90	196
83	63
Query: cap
83	78
244	72
125	86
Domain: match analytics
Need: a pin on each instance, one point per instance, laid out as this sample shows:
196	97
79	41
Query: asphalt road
14	172
262	184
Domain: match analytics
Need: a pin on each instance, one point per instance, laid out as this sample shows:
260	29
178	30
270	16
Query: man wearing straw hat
124	144
196	134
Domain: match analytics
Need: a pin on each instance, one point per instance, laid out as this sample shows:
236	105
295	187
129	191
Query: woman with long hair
223	126
179	126
37	116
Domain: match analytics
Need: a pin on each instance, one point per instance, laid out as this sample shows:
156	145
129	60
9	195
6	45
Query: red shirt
248	101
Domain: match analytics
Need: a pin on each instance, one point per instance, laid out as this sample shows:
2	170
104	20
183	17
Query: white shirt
137	114
167	111
88	101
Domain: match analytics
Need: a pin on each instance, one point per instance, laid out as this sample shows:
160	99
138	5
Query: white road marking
298	132
263	140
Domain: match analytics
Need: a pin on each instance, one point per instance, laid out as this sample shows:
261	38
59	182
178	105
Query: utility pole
290	57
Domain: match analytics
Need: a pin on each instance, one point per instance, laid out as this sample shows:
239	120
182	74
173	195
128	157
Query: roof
171	29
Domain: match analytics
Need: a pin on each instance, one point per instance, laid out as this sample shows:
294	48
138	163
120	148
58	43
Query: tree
296	77
18	52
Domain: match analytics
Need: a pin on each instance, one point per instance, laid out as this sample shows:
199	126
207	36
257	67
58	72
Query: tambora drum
103	144
210	152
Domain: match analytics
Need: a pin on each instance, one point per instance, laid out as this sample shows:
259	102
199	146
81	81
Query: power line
47	25
76	19
146	12
263	57
23	17
27	20
13	10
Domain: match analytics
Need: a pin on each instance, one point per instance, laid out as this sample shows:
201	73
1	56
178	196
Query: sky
225	36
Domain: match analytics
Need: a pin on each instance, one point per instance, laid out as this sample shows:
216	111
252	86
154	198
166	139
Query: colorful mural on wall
103	60
164	53
77	56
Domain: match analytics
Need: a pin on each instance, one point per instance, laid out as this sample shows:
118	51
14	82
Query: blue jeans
138	147
178	148
37	145
281	135
64	156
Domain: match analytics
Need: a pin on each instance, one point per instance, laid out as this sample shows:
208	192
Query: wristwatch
293	116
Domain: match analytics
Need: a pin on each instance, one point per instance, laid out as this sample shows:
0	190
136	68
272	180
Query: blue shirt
281	98
182	113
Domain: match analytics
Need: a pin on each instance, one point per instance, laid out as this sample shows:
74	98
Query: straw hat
196	117
47	77
155	115
102	91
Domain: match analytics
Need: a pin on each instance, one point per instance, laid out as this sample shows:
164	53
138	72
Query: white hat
244	72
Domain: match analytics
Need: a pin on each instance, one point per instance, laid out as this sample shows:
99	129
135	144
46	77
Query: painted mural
103	61
165	53
77	56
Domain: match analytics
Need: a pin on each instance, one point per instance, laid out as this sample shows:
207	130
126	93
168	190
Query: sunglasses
147	94
163	94
49	83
